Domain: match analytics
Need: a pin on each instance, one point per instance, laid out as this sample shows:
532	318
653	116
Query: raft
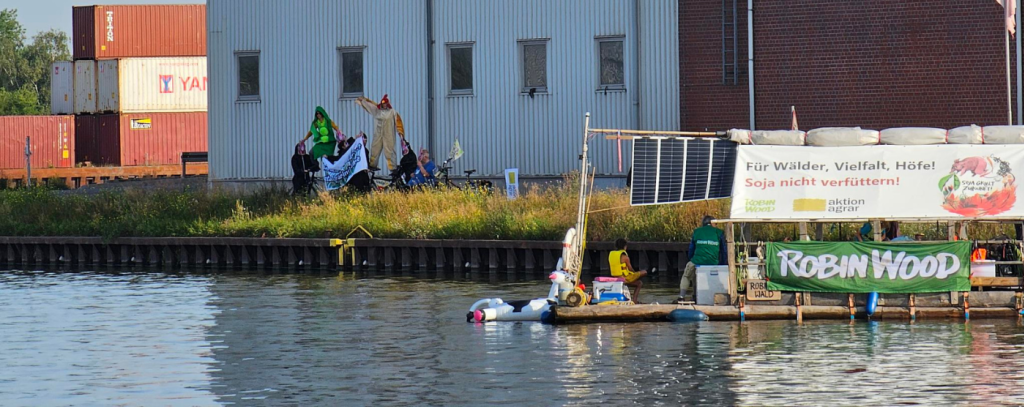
659	313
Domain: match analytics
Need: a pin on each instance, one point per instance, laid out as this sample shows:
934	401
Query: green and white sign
855	267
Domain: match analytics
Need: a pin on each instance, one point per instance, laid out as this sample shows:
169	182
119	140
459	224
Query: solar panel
669	170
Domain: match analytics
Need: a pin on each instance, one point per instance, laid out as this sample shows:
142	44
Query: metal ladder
730	71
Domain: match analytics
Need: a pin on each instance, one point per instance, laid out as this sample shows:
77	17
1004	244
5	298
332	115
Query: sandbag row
904	136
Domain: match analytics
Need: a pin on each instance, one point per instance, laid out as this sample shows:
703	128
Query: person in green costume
707	248
322	130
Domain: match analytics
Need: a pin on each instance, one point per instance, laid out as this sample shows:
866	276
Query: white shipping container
62	87
85	86
134	85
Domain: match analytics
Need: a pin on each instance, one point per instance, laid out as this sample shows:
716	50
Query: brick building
875	64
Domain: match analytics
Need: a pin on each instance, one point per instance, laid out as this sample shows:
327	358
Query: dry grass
540	214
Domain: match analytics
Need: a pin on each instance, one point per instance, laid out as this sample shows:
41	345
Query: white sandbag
1003	134
913	136
842	136
739	136
965	135
778	137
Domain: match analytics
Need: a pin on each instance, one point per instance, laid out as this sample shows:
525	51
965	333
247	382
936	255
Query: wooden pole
913	313
853	310
730	243
629	134
803	231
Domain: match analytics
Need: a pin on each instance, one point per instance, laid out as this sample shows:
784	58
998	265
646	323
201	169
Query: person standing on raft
618	262
322	130
388	122
707	248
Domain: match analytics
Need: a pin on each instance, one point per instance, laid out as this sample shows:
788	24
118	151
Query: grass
539	214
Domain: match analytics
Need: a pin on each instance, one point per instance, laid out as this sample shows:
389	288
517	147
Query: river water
219	339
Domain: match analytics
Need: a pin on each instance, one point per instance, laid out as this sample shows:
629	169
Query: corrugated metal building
510	79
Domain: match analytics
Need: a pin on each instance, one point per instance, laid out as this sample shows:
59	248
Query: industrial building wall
299	70
893	63
499	126
880	64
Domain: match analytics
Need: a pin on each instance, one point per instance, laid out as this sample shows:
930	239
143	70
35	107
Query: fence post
28	161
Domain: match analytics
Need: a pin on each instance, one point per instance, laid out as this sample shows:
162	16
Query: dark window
248	76
535	66
611	69
351	72
460	59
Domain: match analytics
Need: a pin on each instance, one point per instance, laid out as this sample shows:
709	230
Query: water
158	339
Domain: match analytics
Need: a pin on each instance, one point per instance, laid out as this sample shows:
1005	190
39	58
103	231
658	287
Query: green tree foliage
25	68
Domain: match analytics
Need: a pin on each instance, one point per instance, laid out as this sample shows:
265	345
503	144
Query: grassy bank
540	214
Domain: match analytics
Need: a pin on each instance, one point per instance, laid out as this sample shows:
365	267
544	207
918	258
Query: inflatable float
496	309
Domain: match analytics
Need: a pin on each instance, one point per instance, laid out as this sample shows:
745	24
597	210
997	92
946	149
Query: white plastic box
983	268
711	280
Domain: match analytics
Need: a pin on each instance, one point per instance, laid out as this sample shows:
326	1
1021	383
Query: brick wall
704	101
875	64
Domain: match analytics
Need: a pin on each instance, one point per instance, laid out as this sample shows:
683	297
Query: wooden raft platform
654	313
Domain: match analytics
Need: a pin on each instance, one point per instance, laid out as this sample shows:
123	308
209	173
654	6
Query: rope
608	209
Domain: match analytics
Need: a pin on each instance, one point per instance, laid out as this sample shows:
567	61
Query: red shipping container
108	32
97	145
53	141
141	138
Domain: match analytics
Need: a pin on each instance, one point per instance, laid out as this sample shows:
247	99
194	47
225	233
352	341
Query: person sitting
425	169
303	168
620	266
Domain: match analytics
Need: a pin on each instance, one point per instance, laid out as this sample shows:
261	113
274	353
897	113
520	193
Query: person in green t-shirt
707	248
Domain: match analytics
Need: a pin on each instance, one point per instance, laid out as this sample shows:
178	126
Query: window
248	76
535	65
610	71
460	67
351	72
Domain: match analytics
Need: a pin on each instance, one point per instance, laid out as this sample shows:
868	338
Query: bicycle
444	180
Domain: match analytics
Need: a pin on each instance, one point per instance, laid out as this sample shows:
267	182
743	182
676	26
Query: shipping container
96	144
134	139
107	32
152	85
62	87
85	87
52	139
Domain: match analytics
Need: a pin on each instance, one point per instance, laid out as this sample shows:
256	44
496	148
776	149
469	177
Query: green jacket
707	246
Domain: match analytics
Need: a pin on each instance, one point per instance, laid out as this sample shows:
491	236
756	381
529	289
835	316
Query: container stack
138	84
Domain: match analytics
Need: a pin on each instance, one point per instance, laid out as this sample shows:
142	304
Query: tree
25	70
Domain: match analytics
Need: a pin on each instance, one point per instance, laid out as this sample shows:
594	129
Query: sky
41	15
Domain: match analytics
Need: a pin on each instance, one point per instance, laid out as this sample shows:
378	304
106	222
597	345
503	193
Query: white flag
1011	10
338	173
455	152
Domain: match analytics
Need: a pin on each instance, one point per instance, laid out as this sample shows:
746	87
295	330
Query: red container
53	141
140	138
98	140
108	32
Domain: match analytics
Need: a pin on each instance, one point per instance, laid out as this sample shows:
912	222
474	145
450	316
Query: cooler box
983	268
711	280
609	285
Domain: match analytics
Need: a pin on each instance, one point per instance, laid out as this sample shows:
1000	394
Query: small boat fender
687	315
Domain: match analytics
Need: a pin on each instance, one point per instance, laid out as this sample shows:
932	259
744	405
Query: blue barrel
687	315
872	303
